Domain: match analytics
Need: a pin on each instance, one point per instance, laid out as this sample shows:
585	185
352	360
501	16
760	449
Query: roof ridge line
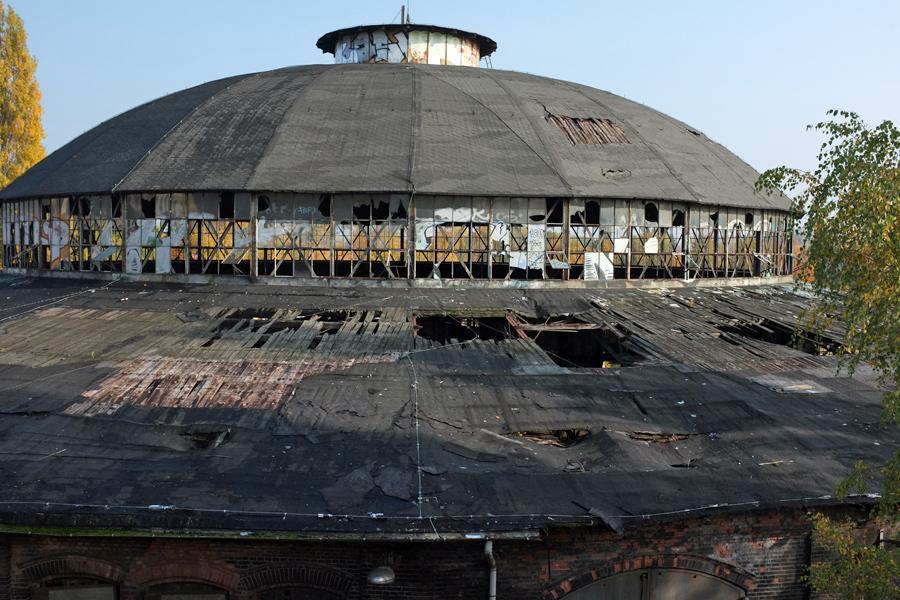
325	69
190	113
515	100
687	188
552	168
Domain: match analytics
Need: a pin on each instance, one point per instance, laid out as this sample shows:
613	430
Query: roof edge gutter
524	535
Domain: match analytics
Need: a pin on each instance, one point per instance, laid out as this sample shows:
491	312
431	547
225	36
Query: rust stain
157	382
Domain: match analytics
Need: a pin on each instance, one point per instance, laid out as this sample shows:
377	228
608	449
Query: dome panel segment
98	160
225	138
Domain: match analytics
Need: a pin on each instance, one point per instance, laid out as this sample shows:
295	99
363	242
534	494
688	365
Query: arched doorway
659	584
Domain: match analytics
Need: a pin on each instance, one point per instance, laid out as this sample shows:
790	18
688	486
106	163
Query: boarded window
185	591
589	131
75	588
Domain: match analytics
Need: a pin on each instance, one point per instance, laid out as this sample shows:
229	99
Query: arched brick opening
700	564
219	576
296	574
71	565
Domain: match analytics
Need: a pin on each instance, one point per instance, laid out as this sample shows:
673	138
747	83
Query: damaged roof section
322	410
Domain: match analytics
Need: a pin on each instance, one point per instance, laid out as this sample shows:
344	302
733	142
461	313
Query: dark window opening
714	219
262	204
82	206
748	219
400	214
677	218
381	211
589	131
448	329
554	210
325	205
226	205
148	207
651	213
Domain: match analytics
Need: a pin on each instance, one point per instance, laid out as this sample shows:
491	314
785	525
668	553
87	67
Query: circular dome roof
424	129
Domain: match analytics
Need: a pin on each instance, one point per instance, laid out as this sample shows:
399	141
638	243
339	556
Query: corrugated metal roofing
426	129
246	407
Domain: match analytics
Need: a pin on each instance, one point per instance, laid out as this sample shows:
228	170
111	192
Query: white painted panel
437	48
418	47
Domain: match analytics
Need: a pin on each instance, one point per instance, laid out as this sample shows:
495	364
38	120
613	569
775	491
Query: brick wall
764	553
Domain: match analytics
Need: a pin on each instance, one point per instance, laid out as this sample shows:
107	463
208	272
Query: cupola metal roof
409	128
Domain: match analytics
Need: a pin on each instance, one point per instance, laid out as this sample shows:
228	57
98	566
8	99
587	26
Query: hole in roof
588	131
573	343
561	438
449	329
202	437
773	332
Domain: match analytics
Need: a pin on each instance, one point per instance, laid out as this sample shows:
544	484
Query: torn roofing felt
395	128
296	409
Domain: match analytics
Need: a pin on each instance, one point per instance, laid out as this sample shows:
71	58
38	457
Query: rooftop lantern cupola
406	42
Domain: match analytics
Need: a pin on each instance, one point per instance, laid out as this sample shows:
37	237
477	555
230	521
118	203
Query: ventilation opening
561	438
589	131
773	332
657	437
685	465
573	343
204	437
448	329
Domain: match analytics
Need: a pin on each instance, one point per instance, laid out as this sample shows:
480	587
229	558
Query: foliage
850	219
848	212
21	132
860	571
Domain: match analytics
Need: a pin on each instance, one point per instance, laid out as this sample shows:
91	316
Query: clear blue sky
749	74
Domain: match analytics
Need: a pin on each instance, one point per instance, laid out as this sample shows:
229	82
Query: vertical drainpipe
492	563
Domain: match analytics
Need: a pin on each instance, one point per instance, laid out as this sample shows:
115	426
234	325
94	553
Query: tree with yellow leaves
21	132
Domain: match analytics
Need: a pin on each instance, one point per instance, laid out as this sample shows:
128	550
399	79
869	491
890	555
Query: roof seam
646	143
166	135
713	148
265	152
553	156
414	130
505	124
